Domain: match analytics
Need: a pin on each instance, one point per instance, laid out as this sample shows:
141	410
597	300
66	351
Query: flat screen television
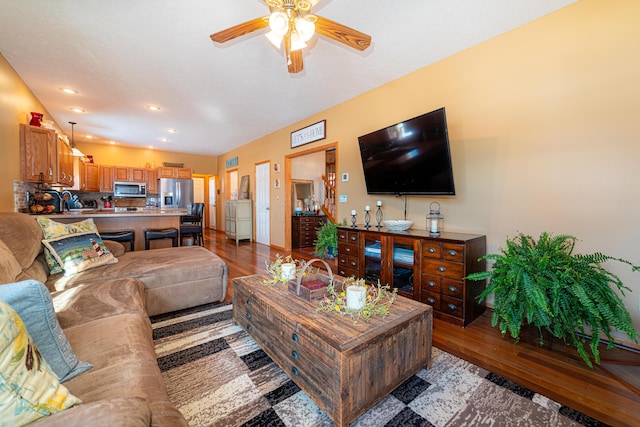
409	158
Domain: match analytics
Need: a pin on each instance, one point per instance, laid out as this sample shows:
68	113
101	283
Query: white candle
367	208
288	270
379	203
353	212
356	297
434	225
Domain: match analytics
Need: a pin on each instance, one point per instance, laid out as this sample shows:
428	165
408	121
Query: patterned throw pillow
52	229
29	389
79	252
32	301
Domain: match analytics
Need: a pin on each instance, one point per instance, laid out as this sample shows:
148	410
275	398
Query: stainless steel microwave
129	189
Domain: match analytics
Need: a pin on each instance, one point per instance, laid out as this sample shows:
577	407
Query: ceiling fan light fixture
296	42
279	23
274	39
305	28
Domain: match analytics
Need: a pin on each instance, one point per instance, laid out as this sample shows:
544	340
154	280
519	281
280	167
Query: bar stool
160	233
120	236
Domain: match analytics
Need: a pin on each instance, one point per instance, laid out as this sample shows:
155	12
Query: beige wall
135	157
545	134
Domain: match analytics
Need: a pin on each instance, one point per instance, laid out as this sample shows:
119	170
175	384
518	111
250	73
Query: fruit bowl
397	224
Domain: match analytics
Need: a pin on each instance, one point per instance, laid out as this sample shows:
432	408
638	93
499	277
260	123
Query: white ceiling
122	55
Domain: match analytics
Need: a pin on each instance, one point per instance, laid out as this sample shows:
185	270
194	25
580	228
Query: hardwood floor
556	372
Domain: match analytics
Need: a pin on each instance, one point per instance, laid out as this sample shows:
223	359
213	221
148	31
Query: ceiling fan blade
294	58
343	34
240	30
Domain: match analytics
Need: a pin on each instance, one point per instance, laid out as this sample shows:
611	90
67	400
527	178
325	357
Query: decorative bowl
397	224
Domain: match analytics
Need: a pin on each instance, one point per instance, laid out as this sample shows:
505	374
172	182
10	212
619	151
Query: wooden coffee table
345	367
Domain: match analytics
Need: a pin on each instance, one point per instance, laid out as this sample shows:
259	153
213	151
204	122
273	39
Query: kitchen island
110	220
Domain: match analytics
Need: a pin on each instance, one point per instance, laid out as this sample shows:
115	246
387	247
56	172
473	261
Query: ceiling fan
292	23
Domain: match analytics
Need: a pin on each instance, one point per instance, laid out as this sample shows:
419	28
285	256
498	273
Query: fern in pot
326	243
544	284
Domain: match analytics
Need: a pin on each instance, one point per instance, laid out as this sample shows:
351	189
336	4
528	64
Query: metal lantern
435	220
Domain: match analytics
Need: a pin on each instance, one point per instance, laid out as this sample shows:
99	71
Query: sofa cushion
29	389
32	301
52	229
22	235
9	265
79	252
92	301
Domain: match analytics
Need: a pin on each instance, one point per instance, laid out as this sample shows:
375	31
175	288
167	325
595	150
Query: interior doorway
289	208
213	199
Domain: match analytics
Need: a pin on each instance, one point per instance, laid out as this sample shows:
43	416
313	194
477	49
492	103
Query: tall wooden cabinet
89	177
424	268
238	219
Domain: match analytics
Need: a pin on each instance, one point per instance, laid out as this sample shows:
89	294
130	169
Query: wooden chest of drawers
425	268
345	367
303	230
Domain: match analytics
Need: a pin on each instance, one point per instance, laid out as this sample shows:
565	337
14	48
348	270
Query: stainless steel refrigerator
175	193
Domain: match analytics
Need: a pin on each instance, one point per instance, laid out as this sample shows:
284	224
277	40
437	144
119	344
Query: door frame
287	186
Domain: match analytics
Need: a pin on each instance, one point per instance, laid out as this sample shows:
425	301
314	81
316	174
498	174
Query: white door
212	202
263	217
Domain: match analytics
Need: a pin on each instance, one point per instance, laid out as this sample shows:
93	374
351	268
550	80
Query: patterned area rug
218	376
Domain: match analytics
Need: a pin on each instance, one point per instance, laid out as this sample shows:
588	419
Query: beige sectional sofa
104	313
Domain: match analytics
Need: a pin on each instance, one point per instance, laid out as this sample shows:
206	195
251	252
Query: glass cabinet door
373	256
403	264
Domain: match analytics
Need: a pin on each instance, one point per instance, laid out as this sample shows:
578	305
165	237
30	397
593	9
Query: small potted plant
569	296
326	243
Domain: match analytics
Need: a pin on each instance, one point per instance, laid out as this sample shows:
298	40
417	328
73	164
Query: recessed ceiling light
171	130
151	147
69	91
112	142
78	110
89	136
153	107
164	140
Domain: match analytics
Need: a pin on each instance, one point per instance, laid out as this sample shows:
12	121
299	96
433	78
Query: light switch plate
342	198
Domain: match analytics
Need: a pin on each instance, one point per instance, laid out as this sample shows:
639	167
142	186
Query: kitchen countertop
109	213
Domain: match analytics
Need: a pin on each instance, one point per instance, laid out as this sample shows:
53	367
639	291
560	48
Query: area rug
217	375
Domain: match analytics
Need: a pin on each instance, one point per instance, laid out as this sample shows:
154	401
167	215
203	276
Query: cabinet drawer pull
442	268
295	371
452	252
248	302
353	238
249	328
248	315
295	354
347	249
353	264
452	289
431	250
452	307
431	300
295	337
431	284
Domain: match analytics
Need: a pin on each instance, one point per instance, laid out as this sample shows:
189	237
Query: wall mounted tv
409	158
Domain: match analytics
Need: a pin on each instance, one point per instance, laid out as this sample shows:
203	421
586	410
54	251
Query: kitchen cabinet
425	268
128	174
106	178
65	163
38	154
238	219
152	181
169	172
89	177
